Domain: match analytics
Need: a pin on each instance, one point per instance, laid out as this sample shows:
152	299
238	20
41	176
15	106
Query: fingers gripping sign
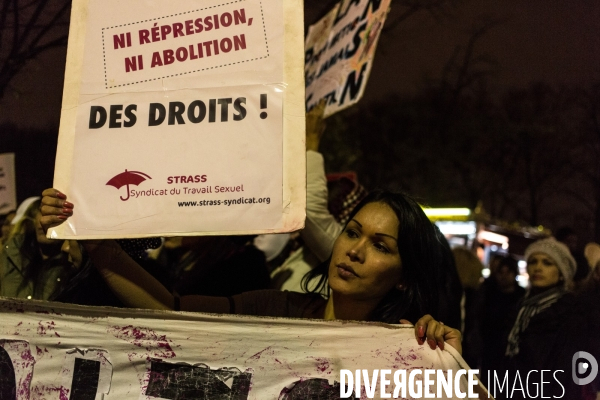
435	333
55	208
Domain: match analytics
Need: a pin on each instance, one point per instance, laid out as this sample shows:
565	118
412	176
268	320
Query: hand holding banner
59	350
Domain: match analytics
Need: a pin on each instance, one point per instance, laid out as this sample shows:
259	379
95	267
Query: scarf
529	308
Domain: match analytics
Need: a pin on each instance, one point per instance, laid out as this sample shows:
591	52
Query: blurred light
523	280
447	212
491	237
541	228
494	248
485	272
505	245
457	228
522	265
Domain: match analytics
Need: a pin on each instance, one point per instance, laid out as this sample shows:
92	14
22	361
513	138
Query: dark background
469	103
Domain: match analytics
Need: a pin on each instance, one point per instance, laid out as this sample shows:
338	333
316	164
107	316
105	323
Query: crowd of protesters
372	257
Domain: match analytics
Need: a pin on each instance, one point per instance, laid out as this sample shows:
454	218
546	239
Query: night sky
555	41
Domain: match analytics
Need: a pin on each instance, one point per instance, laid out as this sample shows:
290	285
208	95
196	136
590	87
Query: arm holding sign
321	229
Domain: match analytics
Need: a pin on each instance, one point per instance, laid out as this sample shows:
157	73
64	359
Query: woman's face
542	271
365	263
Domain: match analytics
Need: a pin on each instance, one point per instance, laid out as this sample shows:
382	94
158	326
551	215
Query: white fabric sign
182	118
339	53
8	190
139	354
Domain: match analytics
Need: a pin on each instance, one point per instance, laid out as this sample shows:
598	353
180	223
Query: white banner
60	351
8	190
182	118
339	51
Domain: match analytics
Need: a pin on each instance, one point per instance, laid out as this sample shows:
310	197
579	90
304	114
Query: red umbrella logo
127	178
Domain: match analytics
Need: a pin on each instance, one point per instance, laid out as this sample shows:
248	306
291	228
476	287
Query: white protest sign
339	52
61	351
8	190
183	118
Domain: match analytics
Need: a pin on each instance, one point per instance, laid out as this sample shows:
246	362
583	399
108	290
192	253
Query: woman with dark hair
416	292
382	268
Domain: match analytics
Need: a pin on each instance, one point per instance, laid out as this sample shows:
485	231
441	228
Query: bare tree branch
436	8
27	30
3	18
29	27
401	18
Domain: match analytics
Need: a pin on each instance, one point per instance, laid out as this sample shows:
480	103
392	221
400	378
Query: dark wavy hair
421	255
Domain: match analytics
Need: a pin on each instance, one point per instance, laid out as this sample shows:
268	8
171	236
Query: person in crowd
554	321
86	287
568	236
6	225
211	266
382	268
451	292
215	266
321	226
276	247
31	265
330	203
498	301
469	270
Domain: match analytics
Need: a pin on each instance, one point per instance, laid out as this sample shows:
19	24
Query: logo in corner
584	363
127	178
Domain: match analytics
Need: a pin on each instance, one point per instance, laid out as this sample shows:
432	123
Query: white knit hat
559	252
